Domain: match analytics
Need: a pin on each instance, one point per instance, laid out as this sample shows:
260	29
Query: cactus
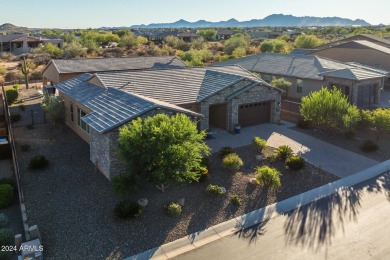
25	71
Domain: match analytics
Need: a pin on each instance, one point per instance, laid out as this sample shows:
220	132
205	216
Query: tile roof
372	46
363	66
177	86
302	51
353	74
111	64
290	65
11	37
110	107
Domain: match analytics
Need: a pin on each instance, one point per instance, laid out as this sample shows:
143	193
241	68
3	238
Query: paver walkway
335	160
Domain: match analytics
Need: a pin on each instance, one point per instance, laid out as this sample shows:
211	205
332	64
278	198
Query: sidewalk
335	160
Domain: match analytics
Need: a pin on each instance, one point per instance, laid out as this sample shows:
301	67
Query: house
187	36
309	73
359	37
19	43
215	97
57	71
223	34
53	39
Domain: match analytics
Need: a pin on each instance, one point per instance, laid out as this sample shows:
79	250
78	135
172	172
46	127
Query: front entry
254	113
218	116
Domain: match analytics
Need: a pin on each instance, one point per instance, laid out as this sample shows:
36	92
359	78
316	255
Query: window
81	123
71	112
299	85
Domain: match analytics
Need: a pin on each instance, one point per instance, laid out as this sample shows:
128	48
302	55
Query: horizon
125	14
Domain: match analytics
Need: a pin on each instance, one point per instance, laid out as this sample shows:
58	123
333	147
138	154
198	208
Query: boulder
143	202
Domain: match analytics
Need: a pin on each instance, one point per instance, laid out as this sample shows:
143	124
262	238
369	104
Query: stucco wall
51	74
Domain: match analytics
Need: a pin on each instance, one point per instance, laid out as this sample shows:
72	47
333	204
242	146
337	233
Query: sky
72	14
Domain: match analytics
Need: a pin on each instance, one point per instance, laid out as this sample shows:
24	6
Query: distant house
57	71
216	97
187	36
53	39
19	43
307	73
359	37
223	34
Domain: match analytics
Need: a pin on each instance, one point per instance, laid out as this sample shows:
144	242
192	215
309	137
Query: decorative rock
143	202
259	157
223	189
253	181
181	201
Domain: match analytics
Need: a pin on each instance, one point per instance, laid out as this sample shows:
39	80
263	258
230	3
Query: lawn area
73	204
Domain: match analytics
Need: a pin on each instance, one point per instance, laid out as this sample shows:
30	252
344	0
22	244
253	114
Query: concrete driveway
335	160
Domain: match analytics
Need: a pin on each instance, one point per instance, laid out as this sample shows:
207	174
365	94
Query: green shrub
235	200
173	209
22	107
303	124
12	95
3	220
205	161
25	147
268	177
15	118
226	151
215	190
349	134
125	183
260	144
6	194
271	158
127	209
232	161
284	152
6	237
295	162
38	162
16	86
369	146
9	181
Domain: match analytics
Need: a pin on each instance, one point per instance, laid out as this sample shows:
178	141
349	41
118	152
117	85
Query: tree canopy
163	148
54	108
307	41
208	34
235	42
329	110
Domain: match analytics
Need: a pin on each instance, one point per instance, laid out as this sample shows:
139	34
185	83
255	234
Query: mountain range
274	20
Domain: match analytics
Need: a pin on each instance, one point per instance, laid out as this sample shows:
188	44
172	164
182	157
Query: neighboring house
223	34
53	39
361	51
215	97
19	43
359	37
309	73
187	36
57	71
297	51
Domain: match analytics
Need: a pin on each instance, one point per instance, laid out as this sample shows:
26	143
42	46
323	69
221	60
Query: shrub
127	209
6	237
12	95
232	161
173	209
260	144
284	152
22	107
38	162
303	124
295	162
25	147
205	161
9	181
271	158
15	118
369	146
16	86
215	190
268	177
11	76
6	194
235	200
3	220
226	151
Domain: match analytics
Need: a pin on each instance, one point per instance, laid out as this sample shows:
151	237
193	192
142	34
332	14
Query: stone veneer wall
256	94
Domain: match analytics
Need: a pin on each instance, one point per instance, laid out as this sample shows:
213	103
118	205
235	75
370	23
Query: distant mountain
274	20
7	27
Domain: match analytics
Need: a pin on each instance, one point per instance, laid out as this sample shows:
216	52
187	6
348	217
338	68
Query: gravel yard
72	204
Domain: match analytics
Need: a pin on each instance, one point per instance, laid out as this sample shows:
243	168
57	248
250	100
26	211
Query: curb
229	227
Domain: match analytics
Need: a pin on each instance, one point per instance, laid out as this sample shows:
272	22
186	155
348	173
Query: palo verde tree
329	110
54	108
282	84
163	148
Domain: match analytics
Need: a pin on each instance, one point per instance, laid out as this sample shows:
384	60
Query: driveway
335	160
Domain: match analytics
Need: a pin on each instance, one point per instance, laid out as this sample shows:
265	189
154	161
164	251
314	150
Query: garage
218	116
254	113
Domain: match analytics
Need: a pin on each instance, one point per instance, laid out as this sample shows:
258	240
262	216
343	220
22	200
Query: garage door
218	115
254	113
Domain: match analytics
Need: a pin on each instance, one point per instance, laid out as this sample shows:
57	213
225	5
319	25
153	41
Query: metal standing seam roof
113	64
289	65
110	107
177	86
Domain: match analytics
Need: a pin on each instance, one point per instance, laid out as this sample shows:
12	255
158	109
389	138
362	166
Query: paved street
333	159
351	224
